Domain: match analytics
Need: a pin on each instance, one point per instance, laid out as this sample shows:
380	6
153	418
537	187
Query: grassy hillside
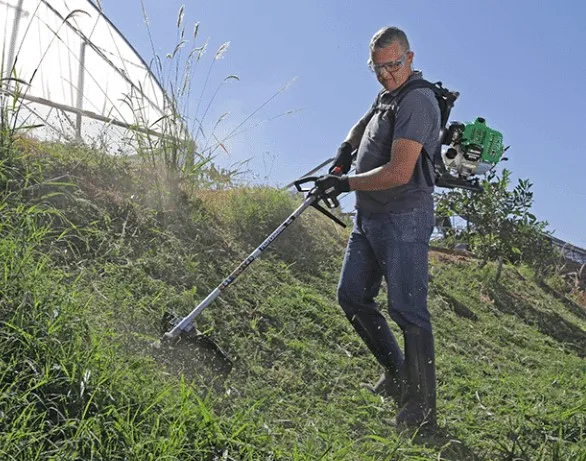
96	250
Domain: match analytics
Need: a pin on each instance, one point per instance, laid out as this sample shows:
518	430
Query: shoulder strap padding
445	97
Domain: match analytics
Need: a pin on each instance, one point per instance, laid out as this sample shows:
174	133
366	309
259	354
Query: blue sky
520	64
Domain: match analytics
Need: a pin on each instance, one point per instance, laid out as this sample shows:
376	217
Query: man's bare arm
355	134
404	155
357	131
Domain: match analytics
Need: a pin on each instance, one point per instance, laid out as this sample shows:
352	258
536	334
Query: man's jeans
393	245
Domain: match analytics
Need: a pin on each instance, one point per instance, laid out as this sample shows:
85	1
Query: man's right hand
343	161
330	185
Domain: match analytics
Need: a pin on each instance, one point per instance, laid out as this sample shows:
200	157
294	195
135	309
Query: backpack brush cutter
472	149
185	328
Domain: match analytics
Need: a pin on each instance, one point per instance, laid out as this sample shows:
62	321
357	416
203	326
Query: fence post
80	85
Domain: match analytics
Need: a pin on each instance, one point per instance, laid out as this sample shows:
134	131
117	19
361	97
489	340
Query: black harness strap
445	99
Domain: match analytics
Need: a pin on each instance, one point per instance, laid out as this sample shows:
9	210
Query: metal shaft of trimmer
187	321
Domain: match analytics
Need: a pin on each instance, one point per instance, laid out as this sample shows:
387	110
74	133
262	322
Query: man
393	225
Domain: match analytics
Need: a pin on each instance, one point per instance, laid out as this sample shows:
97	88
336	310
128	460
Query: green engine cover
478	136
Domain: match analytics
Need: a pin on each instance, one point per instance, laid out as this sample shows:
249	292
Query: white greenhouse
76	76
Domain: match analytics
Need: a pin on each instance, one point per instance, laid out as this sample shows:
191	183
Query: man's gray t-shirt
417	119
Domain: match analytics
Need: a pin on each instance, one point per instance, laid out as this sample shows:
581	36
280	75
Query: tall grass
186	145
69	389
11	90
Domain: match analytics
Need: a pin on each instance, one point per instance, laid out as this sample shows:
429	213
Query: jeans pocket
412	226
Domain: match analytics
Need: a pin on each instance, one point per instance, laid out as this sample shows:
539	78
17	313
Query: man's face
392	65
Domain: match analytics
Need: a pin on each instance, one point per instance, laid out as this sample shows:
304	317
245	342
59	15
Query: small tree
500	225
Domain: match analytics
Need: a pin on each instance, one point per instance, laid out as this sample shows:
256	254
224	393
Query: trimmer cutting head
192	353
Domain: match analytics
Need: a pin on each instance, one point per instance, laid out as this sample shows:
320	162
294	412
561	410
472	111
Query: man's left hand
331	185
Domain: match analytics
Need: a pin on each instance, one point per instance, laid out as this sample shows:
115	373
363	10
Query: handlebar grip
304	180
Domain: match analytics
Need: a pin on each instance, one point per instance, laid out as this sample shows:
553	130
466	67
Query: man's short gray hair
387	36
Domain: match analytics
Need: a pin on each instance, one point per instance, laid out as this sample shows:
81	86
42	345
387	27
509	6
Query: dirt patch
581	299
449	255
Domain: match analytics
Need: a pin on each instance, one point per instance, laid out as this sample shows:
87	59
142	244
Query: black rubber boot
419	398
390	384
378	337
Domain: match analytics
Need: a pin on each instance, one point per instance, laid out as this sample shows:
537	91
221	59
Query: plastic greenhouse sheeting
84	78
